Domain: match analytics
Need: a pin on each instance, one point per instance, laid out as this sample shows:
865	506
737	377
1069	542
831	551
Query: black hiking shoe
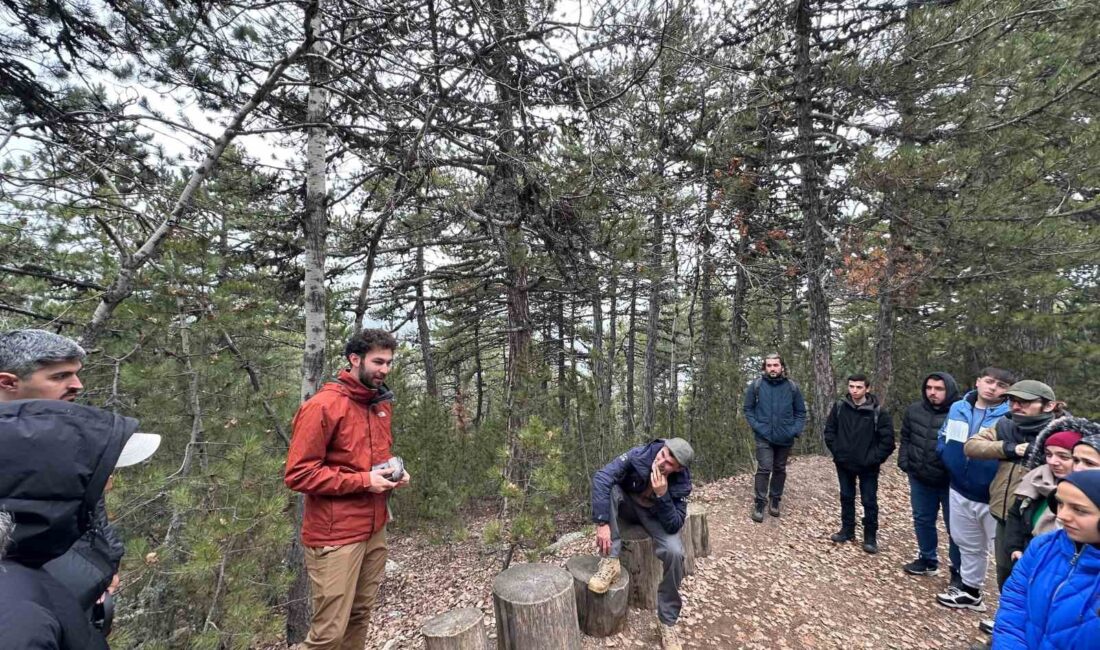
843	535
870	544
758	512
773	507
922	567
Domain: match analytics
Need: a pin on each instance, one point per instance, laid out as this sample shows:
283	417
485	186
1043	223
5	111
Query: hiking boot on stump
870	543
957	598
773	507
843	535
757	511
669	639
922	567
606	575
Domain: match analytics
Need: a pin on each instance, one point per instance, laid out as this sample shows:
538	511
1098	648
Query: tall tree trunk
896	206
563	390
196	446
425	332
653	320
315	230
479	379
813	215
599	363
673	362
631	340
608	384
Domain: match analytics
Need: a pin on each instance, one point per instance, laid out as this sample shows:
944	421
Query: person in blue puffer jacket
776	413
1052	598
971	524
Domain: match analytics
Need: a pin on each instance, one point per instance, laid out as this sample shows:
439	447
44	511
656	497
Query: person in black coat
57	459
860	436
41	365
929	483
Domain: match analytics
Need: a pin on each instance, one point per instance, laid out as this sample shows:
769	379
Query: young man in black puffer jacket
860	436
929	483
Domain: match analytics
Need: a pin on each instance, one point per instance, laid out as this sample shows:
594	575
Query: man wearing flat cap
1032	406
648	485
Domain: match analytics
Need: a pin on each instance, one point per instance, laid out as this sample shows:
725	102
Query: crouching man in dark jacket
56	459
929	482
860	436
648	485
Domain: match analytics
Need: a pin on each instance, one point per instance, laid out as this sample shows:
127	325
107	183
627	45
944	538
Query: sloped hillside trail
779	584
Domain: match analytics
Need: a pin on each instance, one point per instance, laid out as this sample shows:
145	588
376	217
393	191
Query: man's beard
365	379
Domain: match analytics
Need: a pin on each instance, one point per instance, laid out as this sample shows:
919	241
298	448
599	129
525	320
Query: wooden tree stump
689	547
458	629
639	559
599	614
536	608
700	534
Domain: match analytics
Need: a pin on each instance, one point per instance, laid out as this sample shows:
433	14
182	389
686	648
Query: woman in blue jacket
1051	600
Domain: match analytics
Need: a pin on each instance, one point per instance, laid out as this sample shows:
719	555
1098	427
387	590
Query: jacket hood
57	457
952	392
348	384
1038	483
870	403
1065	423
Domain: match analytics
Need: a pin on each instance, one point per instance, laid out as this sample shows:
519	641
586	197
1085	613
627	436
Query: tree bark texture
315	230
458	629
536	608
700	532
600	615
639	559
813	215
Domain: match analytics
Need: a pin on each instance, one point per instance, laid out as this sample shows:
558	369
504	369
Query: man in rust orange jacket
339	435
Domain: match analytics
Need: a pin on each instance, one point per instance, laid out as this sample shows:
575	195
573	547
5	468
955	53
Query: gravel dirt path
779	584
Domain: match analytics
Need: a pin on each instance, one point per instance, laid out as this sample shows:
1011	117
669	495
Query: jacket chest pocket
353	444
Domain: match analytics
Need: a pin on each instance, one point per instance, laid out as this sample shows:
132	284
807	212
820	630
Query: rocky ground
780	584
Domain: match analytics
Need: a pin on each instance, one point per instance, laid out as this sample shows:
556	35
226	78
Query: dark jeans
1001	555
927	500
868	496
771	467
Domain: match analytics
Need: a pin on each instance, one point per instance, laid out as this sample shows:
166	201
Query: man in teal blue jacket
776	412
972	526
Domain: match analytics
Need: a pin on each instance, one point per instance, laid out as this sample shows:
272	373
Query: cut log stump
536	608
458	629
598	614
639	559
689	547
700	534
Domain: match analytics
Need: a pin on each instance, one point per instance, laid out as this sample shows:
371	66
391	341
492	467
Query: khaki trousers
344	583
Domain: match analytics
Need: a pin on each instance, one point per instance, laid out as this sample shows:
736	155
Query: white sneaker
956	598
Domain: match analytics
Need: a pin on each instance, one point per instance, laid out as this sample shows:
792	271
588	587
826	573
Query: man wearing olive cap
1032	406
648	485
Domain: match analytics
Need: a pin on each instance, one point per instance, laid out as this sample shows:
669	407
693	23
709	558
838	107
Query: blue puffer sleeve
799	411
671	512
1010	630
602	482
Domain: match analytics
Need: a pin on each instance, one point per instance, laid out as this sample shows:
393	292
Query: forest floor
779	584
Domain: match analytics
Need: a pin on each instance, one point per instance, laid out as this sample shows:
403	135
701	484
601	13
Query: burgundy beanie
1063	439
